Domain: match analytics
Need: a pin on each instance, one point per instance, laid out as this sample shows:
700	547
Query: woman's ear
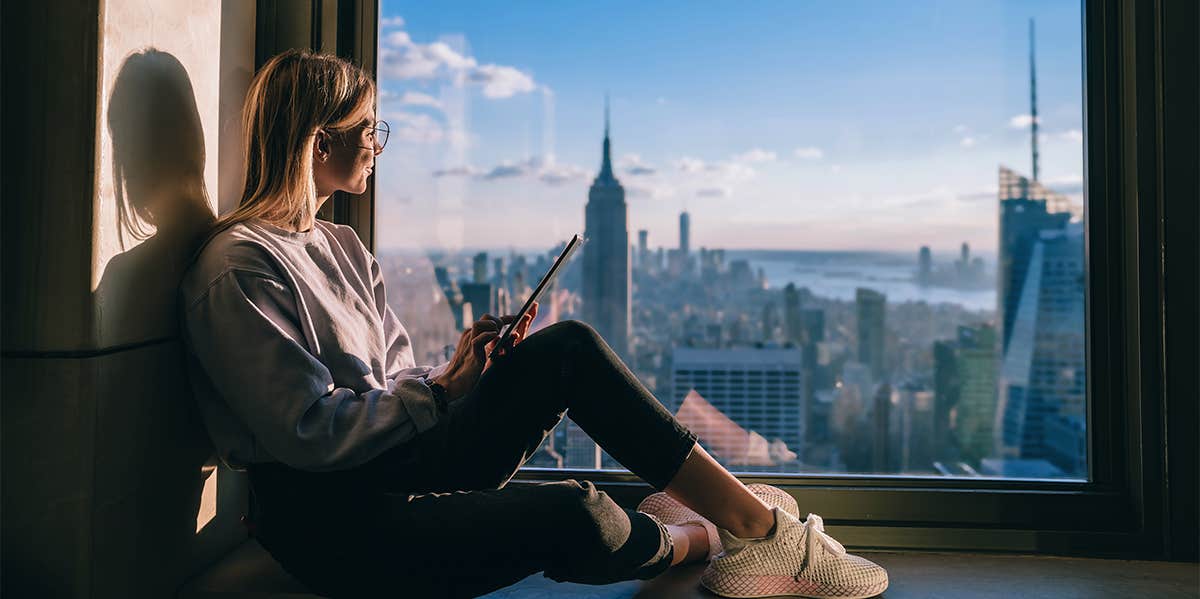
320	146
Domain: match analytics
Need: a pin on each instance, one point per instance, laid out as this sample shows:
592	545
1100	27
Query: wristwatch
440	397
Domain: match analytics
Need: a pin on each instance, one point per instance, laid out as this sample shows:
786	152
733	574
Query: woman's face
344	159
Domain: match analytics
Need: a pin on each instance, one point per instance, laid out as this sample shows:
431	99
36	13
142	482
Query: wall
127	113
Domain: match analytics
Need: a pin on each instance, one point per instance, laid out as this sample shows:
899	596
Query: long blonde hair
292	96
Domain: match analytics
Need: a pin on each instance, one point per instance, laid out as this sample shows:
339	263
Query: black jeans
434	517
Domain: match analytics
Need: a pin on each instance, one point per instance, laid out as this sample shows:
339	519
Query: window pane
830	237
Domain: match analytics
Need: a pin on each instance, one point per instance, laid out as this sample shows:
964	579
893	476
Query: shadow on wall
158	184
155	477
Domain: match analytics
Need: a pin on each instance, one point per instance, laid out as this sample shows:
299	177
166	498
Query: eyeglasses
377	133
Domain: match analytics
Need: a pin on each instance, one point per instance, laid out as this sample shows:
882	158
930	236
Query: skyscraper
1042	388
685	233
761	389
1023	215
643	249
580	450
498	272
871	305
911	439
1026	208
924	265
479	268
484	298
606	275
882	458
792	328
964	382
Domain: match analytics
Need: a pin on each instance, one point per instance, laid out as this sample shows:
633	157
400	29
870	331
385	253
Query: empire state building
606	278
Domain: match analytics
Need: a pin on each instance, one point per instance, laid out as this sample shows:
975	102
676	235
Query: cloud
387	22
1071	183
660	101
733	171
967	142
501	82
419	99
402	58
558	174
505	170
960	129
978	196
713	192
649	191
1074	135
1021	121
544	170
755	155
633	165
457	171
415	127
809	153
689	165
723	170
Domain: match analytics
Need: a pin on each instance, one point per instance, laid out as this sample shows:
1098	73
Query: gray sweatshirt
293	353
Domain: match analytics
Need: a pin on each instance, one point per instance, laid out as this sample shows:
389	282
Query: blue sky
799	125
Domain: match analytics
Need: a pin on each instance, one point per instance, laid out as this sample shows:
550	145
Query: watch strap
440	396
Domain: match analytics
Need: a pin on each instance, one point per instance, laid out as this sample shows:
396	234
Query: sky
779	125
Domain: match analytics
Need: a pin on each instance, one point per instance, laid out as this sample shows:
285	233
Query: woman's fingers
492	322
523	326
487	322
480	342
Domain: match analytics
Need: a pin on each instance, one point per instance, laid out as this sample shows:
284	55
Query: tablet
565	255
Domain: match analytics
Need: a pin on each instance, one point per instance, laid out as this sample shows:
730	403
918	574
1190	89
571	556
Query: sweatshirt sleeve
244	335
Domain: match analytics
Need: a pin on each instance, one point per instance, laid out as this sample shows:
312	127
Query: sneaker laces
816	534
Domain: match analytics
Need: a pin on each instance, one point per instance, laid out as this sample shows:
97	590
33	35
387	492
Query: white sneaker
669	511
796	560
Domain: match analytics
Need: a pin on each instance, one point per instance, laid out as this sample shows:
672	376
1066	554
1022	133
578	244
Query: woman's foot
670	511
796	560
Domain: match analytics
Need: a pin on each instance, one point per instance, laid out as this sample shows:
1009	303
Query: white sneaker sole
744	586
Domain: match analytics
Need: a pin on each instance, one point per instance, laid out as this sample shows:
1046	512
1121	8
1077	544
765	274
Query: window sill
898	513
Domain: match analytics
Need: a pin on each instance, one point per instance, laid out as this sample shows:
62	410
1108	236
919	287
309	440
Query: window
882	208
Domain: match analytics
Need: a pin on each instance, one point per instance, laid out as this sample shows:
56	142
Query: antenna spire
606	115
1033	100
606	171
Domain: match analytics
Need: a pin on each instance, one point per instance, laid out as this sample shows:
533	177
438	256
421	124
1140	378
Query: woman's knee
591	519
600	543
571	329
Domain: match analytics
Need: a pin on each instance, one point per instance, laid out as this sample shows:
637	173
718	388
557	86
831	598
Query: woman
374	476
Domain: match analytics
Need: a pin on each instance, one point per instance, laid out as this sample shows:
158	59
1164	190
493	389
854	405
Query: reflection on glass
811	229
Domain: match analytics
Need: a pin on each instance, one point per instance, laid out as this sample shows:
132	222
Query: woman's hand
471	354
521	331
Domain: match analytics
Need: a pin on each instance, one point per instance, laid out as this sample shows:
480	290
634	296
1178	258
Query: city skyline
485	124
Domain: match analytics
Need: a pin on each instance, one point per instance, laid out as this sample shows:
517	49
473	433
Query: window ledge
250	572
932	574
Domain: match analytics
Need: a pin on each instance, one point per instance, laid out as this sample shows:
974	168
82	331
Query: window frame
1120	511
